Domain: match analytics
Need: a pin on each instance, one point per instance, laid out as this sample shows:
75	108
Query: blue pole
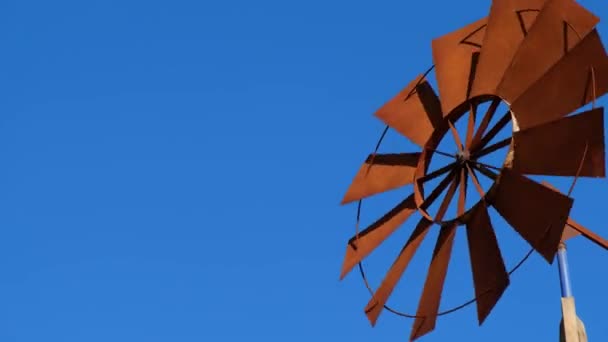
564	275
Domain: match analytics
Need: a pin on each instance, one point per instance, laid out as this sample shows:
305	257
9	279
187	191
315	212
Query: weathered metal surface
455	56
361	245
380	173
545	44
414	112
574	229
490	277
508	25
536	212
558	147
485	122
600	241
431	295
567	86
542	58
377	302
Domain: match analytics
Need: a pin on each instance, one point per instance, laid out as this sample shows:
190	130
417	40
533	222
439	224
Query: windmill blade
428	307
454	56
414	112
508	24
559	26
380	173
378	300
359	247
490	276
568	85
431	295
574	229
536	212
557	148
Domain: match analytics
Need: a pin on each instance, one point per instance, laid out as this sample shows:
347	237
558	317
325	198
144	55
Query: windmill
541	59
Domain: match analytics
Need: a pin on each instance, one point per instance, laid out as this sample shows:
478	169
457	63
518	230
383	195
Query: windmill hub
463	156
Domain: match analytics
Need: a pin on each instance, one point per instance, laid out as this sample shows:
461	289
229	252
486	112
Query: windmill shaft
564	274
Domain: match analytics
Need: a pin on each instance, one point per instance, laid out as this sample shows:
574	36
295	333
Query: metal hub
463	156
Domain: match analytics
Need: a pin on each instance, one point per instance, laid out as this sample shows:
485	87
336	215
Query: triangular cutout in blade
359	247
508	23
559	147
490	275
378	300
428	307
567	86
545	44
455	58
536	212
414	112
380	173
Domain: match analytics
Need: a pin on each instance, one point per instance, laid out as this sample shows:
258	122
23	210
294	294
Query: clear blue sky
171	171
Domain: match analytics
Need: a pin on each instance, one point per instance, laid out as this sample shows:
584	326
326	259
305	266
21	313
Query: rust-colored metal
362	244
380	173
508	25
490	276
414	112
377	302
431	295
574	229
558	27
544	60
455	56
555	148
537	213
554	95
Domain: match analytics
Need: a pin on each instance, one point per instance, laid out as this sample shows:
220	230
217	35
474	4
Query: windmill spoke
462	196
456	137
470	126
448	197
442	153
475	181
504	120
492	167
437	173
485	171
438	190
494	147
485	122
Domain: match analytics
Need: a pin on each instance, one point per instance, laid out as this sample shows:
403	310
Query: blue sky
171	171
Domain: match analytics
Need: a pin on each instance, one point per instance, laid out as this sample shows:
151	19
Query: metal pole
572	328
564	274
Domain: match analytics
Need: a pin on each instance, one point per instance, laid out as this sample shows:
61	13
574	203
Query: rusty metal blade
378	300
380	173
536	212
556	148
598	240
428	306
574	229
567	86
490	275
359	247
559	26
508	24
454	56
414	112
